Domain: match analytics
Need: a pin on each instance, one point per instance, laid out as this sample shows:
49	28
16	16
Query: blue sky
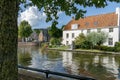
37	19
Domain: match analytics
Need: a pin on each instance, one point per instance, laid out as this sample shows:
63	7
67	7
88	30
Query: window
95	23
110	41
110	29
86	24
82	31
67	42
88	31
72	35
74	26
67	35
98	30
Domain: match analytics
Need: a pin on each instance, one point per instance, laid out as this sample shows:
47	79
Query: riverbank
28	43
84	50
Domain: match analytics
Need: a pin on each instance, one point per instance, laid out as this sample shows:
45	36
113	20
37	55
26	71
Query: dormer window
95	23
86	24
74	26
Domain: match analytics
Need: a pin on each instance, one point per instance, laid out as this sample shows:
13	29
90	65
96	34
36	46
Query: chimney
118	22
118	10
118	13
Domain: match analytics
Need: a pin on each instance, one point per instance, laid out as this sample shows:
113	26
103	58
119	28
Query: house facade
44	36
109	23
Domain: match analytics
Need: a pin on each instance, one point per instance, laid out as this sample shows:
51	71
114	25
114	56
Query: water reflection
96	66
99	66
24	59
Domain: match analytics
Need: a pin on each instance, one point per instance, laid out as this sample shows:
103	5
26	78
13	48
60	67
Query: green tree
96	38
9	29
25	29
102	37
55	41
79	41
55	32
37	31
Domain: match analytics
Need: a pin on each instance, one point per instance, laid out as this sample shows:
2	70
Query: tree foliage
55	32
52	7
79	41
97	38
37	31
90	40
25	29
55	41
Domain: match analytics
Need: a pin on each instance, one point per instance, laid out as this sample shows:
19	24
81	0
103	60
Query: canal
99	66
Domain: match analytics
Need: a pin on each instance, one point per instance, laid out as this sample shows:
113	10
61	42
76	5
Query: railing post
47	73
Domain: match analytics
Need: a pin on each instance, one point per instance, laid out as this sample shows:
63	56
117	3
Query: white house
109	23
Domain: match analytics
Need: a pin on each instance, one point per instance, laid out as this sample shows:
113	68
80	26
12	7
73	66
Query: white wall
113	35
70	39
118	22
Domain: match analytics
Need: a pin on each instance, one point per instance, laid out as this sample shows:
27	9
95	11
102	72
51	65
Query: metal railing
47	72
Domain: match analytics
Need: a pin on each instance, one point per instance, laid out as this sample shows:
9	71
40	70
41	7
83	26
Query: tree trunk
8	39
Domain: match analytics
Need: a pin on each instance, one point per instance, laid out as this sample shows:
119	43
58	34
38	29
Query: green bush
55	41
84	45
117	46
50	46
97	47
106	48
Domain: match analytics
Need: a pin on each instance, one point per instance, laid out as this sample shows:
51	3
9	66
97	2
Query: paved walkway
29	75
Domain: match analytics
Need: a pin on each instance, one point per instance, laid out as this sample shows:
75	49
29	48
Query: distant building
109	23
44	36
34	36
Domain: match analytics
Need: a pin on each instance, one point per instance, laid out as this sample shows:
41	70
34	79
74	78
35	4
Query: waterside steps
47	72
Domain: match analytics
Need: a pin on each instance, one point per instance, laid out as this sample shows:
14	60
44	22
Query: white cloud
33	16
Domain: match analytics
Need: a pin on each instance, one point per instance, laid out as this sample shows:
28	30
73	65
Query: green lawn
59	47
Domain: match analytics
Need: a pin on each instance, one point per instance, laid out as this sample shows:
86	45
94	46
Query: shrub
55	41
97	47
117	46
106	48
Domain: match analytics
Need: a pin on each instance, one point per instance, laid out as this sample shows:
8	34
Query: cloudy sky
37	19
33	16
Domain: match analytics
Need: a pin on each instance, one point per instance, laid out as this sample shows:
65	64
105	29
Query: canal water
99	66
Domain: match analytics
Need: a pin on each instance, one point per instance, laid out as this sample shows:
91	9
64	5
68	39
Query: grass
83	50
59	47
90	50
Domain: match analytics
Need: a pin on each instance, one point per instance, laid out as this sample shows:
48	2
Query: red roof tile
98	21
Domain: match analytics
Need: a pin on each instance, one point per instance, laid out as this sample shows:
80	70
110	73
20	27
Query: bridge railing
47	72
